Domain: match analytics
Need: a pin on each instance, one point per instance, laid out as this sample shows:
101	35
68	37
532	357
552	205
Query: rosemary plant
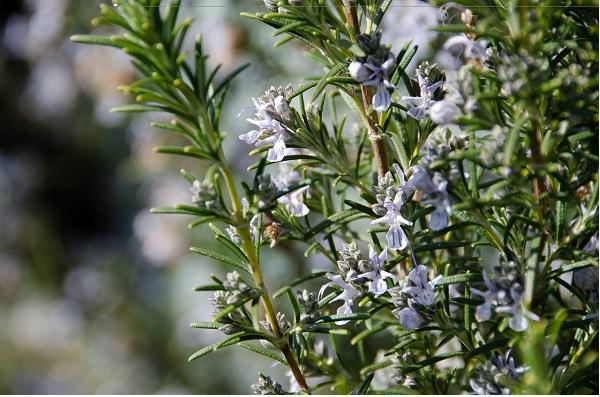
480	270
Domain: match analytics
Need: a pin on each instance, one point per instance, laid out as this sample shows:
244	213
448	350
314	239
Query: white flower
369	73
348	294
292	201
443	112
421	289
472	49
271	111
395	236
422	103
377	285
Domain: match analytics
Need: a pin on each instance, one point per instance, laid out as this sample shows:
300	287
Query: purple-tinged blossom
272	112
377	285
293	201
473	50
504	294
396	237
423	102
435	188
348	294
491	374
414	298
441	202
370	73
444	112
373	68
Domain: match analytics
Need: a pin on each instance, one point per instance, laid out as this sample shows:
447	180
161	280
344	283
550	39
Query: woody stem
249	250
377	140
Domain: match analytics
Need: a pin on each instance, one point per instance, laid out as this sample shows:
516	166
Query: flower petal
250	137
277	152
396	238
382	99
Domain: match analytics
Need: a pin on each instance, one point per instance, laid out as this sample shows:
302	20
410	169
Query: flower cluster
414	298
399	364
234	292
204	195
496	374
356	269
284	327
504	136
373	67
433	188
267	386
504	294
273	119
309	306
390	200
429	84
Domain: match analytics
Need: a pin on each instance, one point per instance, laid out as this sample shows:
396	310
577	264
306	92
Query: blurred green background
95	292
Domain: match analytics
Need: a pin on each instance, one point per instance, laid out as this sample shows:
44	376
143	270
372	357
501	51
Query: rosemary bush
457	224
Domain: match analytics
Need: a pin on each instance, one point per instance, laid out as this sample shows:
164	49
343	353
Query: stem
250	252
377	141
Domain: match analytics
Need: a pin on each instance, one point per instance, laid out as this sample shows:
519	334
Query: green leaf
432	360
137	108
335	219
343	317
221	258
227	342
181	210
369	332
211	287
495	344
325	80
298	282
94	40
228	79
265	352
459	278
205	325
364	387
360	207
375	367
441	245
183	151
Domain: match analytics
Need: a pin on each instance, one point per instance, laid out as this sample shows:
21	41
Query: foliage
483	188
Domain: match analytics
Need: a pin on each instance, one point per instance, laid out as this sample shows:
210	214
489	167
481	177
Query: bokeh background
96	292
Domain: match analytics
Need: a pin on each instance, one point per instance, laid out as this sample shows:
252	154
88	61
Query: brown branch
377	140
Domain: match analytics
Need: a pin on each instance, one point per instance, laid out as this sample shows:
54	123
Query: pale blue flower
370	73
377	285
396	237
409	318
501	299
423	102
475	50
272	111
443	112
293	201
348	294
